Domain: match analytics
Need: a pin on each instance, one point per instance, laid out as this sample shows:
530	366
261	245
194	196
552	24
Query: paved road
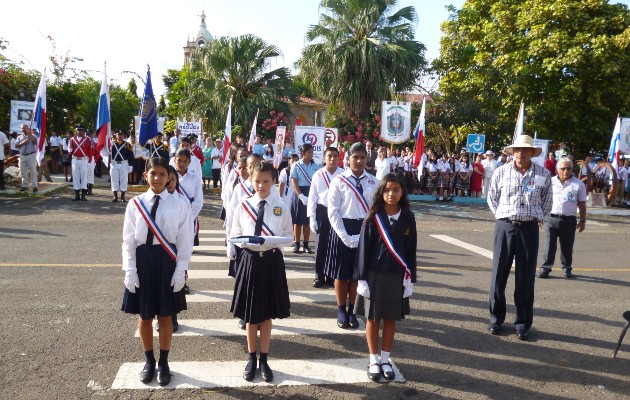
63	336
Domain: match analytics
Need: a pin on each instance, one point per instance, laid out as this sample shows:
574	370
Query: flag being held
103	120
39	118
148	113
227	136
418	134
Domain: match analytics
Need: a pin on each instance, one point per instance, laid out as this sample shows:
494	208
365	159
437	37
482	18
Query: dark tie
359	187
392	220
259	220
153	213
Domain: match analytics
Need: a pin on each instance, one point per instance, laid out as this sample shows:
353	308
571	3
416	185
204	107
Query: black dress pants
564	230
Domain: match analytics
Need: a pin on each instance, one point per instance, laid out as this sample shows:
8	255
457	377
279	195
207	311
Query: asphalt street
63	334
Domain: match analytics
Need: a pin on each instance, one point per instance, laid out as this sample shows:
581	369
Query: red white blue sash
356	192
182	191
382	228
254	215
304	173
326	178
157	233
249	192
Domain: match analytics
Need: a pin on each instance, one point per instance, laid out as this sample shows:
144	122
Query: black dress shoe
242	324
317	283
163	375
543	273
343	324
146	375
352	322
494	328
307	249
523	334
186	289
388	375
250	370
265	372
567	273
374	376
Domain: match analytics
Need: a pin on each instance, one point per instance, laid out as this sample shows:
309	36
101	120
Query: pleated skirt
323	224
260	291
298	209
155	295
340	259
386	298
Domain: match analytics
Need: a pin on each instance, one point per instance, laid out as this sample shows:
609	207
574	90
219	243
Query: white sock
374	369
385	359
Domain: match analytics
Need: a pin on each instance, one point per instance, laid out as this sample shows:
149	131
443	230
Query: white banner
624	136
189	127
540	159
21	113
278	146
395	121
315	136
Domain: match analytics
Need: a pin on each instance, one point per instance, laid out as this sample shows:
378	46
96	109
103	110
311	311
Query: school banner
395	121
624	139
313	135
190	127
332	135
160	124
278	146
544	144
21	113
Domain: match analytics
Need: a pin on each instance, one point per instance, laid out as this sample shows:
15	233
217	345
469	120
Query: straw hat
524	141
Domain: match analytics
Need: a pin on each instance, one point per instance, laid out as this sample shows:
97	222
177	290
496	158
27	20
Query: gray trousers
28	170
562	229
518	244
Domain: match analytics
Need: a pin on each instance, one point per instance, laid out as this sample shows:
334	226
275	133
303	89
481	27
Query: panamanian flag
228	132
39	118
103	120
418	134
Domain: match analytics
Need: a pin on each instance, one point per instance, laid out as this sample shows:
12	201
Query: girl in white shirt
156	251
382	164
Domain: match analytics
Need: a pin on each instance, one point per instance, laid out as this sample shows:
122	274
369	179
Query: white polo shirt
566	195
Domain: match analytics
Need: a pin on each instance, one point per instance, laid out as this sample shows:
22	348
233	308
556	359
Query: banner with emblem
190	127
313	135
395	121
278	146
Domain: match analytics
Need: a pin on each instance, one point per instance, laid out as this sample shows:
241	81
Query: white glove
408	288
313	225
354	241
303	198
363	289
231	251
346	240
179	280
131	280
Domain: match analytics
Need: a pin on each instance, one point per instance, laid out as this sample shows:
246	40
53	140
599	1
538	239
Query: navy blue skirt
155	295
323	225
260	291
340	259
298	209
386	297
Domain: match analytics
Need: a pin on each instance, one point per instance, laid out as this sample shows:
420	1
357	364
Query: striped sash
382	228
249	192
254	215
326	178
157	233
356	192
304	173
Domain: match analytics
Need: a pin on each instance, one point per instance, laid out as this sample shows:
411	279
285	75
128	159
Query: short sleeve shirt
567	195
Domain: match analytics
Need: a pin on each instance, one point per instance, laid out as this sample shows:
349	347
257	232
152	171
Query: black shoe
35	190
343	324
352	321
567	273
317	283
522	334
123	200
265	372
23	189
163	375
242	324
376	376
250	370
307	249
83	192
544	272
388	375
115	200
494	328
296	247
186	289
146	375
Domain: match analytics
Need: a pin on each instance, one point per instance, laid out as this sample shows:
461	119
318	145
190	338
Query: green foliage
236	67
174	83
566	59
170	125
360	52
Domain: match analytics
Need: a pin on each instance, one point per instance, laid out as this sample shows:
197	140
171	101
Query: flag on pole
520	122
103	120
228	132
148	113
39	118
252	135
614	151
418	134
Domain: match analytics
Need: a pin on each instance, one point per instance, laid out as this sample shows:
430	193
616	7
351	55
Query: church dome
203	36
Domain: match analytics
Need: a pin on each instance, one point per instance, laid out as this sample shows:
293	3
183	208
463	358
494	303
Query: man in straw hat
519	196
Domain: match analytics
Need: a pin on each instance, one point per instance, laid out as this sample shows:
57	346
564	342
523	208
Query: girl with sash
386	270
242	189
317	210
349	200
242	179
260	291
156	251
285	189
431	174
444	177
463	176
228	174
301	179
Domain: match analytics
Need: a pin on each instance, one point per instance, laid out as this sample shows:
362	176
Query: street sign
476	143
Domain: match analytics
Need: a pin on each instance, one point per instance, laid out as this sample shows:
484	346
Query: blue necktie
359	187
153	214
259	219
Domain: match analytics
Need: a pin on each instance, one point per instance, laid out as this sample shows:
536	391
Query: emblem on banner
395	123
277	211
309	138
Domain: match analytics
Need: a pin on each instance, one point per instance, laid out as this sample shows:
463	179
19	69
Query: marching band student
349	200
156	250
285	188
317	209
260	291
122	158
195	150
157	148
191	187
301	176
79	149
386	269
92	160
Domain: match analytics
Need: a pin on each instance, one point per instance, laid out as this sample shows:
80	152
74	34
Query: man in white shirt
489	165
27	145
217	161
4	143
173	144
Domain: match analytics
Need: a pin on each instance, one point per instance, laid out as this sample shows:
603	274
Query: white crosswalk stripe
222	274
225	296
224	259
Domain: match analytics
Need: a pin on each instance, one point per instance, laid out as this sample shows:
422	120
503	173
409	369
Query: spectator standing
463	175
382	165
372	156
206	168
27	145
66	158
4	142
259	147
550	163
173	144
476	179
13	150
217	159
55	151
489	165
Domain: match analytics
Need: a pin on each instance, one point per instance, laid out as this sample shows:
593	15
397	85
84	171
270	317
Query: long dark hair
378	203
234	148
172	170
244	161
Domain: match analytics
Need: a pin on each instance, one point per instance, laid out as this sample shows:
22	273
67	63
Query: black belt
519	223
28	154
261	253
563	216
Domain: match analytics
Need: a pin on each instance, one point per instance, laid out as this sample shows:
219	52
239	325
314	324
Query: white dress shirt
343	203
194	166
173	144
489	166
191	184
319	190
567	195
242	190
288	191
4	140
383	167
277	217
174	220
216	164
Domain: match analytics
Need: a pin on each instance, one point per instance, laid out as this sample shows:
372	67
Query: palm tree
360	52
237	67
